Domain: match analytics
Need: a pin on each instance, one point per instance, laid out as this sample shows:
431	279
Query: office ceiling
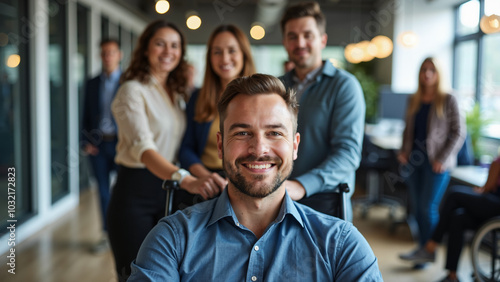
339	13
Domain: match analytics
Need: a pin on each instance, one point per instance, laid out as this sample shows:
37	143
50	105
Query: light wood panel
60	252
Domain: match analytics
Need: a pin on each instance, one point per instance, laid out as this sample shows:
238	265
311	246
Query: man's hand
91	150
295	190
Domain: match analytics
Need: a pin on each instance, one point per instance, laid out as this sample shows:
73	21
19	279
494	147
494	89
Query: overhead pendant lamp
162	6
490	24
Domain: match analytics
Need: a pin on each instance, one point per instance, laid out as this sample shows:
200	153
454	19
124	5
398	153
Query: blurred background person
228	57
463	208
433	135
332	108
99	136
149	111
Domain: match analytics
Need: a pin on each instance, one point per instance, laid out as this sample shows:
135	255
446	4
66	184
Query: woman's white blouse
147	119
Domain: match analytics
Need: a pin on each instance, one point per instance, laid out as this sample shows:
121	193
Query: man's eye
241	133
276	133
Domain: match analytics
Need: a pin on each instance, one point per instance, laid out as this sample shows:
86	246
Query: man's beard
244	186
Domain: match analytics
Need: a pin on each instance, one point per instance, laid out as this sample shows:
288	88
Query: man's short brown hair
257	84
304	9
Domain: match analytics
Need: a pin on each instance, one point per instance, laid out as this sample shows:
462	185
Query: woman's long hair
416	99
139	64
206	105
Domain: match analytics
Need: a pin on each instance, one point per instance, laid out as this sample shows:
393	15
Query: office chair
331	202
375	162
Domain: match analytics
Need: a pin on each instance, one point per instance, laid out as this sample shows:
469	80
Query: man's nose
259	146
301	41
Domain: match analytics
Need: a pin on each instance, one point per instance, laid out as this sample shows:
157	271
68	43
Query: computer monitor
392	105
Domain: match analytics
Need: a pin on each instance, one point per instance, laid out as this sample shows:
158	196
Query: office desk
387	134
470	175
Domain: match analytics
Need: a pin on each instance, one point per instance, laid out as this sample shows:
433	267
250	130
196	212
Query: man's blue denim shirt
206	242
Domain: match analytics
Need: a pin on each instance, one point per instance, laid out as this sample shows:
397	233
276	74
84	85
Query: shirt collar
115	75
309	76
224	209
328	69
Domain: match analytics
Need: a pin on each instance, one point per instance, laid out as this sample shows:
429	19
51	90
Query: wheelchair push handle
344	187
170	186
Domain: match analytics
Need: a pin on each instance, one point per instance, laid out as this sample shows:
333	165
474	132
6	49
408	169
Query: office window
468	18
15	153
82	68
490	76
104	27
466	69
58	101
476	67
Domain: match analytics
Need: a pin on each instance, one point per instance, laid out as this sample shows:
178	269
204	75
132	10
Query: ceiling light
490	24
13	61
384	46
162	6
408	39
193	22
353	53
257	32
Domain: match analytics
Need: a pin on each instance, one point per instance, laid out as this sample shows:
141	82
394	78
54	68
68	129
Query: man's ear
296	141
219	144
324	39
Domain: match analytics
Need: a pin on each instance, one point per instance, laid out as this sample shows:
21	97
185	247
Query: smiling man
332	108
254	231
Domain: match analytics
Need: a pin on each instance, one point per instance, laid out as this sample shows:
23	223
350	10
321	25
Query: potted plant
476	123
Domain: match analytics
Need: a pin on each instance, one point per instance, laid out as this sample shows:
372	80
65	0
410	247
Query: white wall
433	23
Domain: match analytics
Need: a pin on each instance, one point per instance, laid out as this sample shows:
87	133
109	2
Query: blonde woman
433	136
228	57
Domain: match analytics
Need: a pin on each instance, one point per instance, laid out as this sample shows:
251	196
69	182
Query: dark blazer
92	112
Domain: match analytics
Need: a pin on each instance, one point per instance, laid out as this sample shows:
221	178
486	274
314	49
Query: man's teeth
262	166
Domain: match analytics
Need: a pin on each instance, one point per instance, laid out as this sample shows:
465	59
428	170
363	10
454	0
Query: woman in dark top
433	136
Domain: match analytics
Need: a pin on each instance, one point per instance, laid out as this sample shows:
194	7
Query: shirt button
237	224
254	278
256	248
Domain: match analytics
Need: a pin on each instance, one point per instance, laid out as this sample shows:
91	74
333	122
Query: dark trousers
103	164
461	210
137	203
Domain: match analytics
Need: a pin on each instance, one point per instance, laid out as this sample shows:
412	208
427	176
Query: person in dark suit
99	128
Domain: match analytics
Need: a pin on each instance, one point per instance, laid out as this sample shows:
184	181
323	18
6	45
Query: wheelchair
485	251
331	202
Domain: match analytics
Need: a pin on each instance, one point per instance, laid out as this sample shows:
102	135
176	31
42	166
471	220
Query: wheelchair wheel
485	251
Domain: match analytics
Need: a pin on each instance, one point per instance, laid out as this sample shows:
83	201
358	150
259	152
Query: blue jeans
103	164
426	189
